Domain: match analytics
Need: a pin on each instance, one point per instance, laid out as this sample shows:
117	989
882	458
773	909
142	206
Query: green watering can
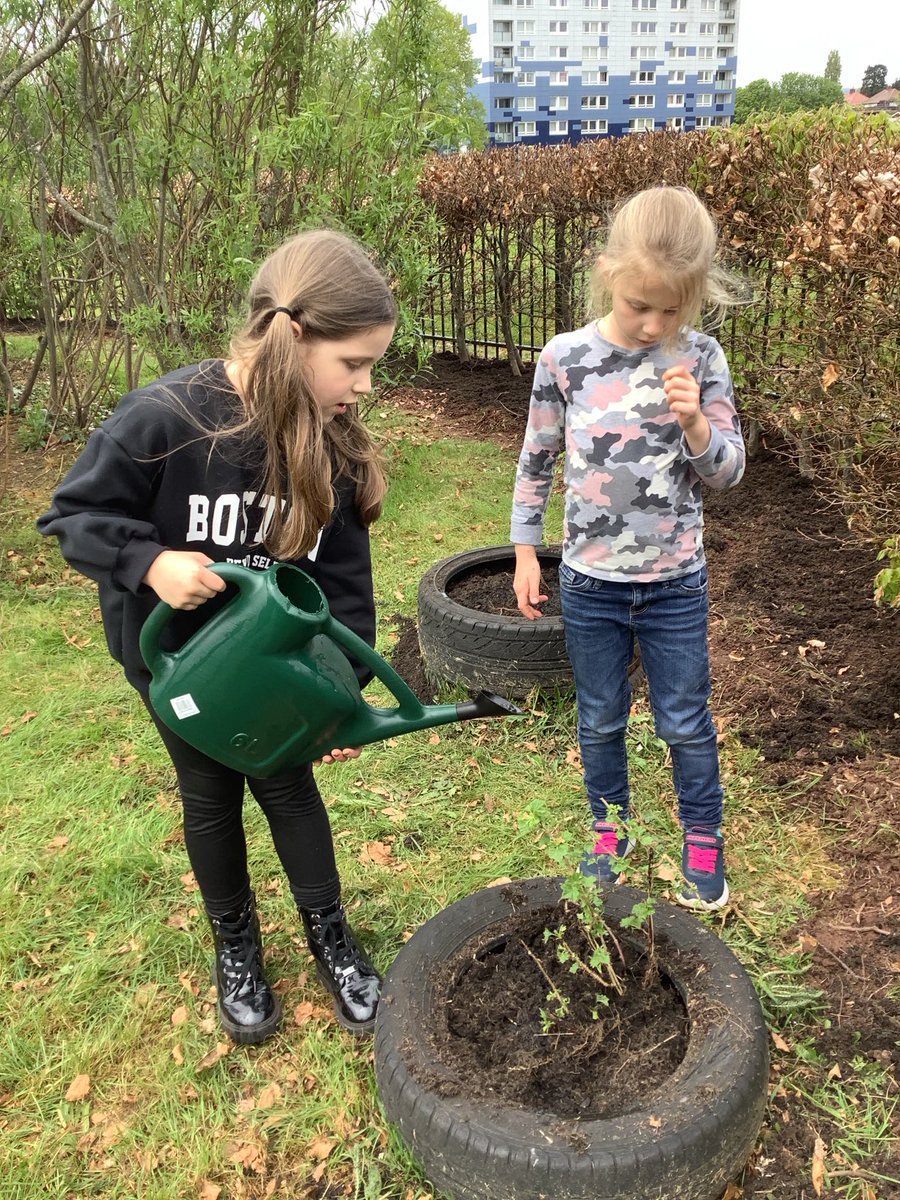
264	686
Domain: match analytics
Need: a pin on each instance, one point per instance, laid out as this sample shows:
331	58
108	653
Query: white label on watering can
184	706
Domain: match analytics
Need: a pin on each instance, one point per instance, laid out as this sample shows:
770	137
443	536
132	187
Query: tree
874	80
833	67
793	93
753	99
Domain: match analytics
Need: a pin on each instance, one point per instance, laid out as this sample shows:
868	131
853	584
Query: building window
558	3
559	51
704	76
594	126
643	52
527	129
558	77
524	26
503	102
704	122
591	78
643	27
679	52
526	78
559	26
559	128
676	100
559	101
709	5
526	52
503	131
704	100
706	52
707	29
643	77
678	27
679	5
722	122
524	3
594	102
675	123
526	104
644	5
502	29
642	101
594	26
640	125
677	76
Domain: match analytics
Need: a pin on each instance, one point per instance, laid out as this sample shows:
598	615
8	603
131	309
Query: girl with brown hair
258	456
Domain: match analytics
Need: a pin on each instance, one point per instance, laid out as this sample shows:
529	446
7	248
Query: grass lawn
114	1078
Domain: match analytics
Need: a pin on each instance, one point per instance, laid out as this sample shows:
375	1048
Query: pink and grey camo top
633	506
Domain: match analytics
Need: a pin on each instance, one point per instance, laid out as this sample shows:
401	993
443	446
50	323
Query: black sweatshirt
150	479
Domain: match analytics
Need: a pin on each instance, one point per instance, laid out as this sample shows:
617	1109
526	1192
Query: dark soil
806	669
488	589
606	1050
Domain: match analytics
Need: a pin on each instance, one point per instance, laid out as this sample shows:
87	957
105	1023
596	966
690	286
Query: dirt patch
524	1028
488	589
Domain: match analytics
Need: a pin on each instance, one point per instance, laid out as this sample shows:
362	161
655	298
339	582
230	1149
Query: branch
41	56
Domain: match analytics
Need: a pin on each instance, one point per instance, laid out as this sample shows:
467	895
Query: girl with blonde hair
642	404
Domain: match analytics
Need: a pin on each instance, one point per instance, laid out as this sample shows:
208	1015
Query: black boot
249	1011
342	966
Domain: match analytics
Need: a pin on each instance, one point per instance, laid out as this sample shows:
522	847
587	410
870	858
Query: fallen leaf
818	1166
177	1055
501	879
304	1012
434	740
831	373
58	843
438	537
209	1191
835	1072
270	1095
666	873
210	1060
733	1192
180	1015
654	1122
250	1156
806	943
26	717
780	1043
378	853
79	1088
321	1148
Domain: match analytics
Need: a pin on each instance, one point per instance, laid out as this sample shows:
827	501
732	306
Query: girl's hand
338	756
181	579
527	582
683	397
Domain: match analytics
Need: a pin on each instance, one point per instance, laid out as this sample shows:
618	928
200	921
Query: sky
777	36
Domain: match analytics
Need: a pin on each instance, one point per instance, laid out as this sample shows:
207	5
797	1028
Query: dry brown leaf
733	1192
210	1060
304	1012
434	740
654	1122
58	843
835	1072
831	373
270	1095
250	1156
177	1055
818	1166
666	873
209	1190
378	853
180	1015
79	1088
780	1043
321	1148
499	880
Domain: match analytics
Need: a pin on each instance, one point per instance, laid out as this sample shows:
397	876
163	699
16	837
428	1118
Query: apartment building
563	70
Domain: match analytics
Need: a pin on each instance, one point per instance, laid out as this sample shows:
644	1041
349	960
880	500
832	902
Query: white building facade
563	70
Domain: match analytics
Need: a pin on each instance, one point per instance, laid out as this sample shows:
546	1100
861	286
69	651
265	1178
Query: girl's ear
298	330
603	267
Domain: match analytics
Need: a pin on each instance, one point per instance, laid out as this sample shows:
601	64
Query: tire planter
686	1140
510	655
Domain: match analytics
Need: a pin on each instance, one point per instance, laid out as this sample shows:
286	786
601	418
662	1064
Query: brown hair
666	232
334	291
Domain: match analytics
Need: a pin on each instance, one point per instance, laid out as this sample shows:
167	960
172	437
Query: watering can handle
159	618
409	704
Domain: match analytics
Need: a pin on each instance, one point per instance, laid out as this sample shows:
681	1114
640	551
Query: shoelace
242	947
701	855
331	930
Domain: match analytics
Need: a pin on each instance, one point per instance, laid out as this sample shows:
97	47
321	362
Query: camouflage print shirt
633	508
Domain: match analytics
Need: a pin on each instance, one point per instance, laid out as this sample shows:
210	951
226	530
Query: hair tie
281	308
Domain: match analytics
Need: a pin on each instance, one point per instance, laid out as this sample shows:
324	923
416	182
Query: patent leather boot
343	967
249	1011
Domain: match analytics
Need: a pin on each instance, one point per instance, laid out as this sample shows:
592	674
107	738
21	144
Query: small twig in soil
864	929
840	961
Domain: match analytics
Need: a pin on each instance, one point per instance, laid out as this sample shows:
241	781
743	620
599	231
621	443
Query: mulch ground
808	670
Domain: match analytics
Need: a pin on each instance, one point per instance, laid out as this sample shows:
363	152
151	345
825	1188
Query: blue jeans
669	618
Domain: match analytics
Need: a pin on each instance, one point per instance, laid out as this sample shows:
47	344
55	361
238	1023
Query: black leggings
213	798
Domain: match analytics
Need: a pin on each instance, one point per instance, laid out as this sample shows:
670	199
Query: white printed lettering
198	514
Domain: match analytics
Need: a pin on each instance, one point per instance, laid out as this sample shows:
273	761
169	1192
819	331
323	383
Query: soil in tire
595	1061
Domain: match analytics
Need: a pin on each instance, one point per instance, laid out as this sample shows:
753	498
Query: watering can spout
266	684
487	704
